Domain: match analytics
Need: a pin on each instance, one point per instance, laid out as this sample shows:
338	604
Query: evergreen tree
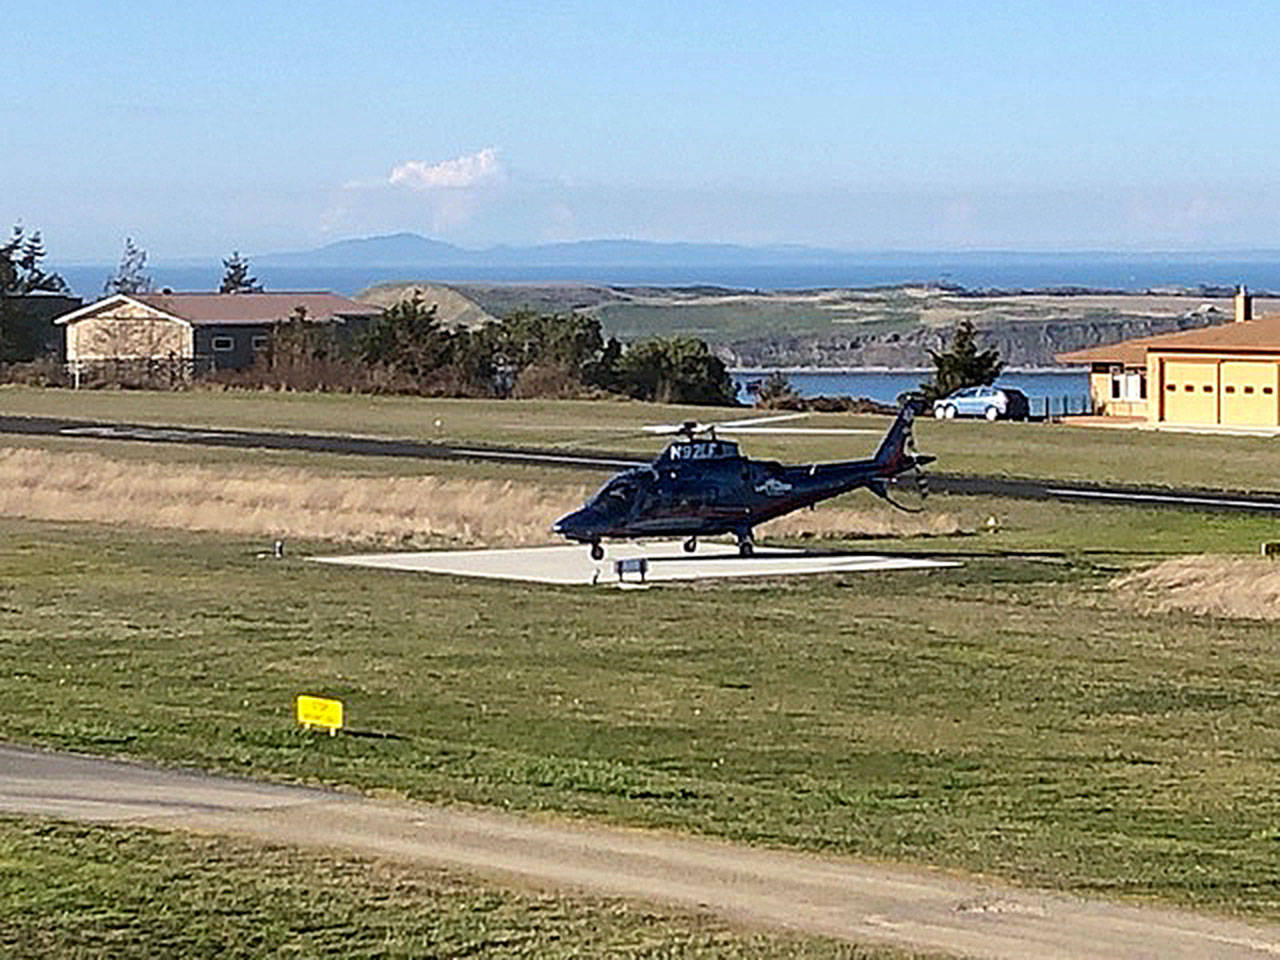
961	366
21	274
602	370
675	370
297	339
776	391
235	276
569	342
129	276
407	338
20	269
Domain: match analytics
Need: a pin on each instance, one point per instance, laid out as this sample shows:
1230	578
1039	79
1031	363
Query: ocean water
1006	271
1055	390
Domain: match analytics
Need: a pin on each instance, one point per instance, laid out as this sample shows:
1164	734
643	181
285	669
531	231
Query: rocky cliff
1021	343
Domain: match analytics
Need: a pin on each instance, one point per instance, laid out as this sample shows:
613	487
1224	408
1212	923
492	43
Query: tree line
408	349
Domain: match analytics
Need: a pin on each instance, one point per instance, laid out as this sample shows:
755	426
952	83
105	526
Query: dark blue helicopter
701	486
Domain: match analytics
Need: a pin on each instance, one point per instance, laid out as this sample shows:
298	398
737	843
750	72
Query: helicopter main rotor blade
694	426
799	431
752	421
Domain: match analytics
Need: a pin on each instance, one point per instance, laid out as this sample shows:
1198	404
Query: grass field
1014	716
73	891
1004	449
381	500
403	502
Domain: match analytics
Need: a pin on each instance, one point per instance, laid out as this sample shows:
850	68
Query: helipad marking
667	562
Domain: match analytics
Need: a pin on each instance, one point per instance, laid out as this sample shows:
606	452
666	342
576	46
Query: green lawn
1009	717
1008	449
95	891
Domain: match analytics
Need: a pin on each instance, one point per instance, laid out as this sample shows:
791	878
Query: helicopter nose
571	524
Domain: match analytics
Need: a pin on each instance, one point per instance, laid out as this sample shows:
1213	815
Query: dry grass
277	501
847	523
1246	587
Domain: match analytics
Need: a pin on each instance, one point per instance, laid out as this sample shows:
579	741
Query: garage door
1190	391
1249	393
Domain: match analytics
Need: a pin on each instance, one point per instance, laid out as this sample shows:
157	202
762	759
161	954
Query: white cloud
469	170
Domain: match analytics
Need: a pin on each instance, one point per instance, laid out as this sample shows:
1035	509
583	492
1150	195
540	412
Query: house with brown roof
1225	375
204	331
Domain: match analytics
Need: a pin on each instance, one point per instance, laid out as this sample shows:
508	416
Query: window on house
1248	389
1171	387
1134	386
223	344
1267	390
1231	390
1207	388
260	342
1190	388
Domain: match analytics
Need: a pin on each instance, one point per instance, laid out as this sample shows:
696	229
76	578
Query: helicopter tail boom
892	456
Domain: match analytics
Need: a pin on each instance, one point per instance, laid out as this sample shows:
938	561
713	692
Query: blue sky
196	128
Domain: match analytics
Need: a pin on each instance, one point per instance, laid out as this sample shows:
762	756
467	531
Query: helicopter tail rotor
918	463
901	460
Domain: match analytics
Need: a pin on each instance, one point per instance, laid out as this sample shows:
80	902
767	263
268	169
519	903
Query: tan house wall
1100	389
129	332
1105	405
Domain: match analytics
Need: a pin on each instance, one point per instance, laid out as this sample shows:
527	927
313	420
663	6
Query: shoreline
764	371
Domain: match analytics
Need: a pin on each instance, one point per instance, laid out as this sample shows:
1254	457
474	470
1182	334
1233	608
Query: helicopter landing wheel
691	545
597	552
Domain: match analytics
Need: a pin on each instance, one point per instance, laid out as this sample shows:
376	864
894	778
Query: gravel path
832	896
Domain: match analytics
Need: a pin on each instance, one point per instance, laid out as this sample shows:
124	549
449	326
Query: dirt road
832	896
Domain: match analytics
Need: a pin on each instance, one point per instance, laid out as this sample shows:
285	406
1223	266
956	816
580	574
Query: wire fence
1067	405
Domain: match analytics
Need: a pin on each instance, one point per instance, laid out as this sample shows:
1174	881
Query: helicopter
701	485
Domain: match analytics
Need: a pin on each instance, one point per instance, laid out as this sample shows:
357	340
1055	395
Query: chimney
1244	304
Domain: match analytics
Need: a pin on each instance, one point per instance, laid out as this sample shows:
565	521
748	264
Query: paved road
829	896
1025	489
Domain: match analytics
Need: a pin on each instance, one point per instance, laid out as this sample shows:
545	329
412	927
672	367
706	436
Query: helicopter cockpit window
616	491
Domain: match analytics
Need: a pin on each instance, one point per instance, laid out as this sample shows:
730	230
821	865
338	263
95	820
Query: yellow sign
319	712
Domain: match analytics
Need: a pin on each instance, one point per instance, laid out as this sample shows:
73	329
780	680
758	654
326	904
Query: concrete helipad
665	561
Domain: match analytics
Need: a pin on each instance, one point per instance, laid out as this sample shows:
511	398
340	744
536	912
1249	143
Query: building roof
1131	353
1257	336
238	309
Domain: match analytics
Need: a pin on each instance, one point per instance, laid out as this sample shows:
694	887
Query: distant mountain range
412	250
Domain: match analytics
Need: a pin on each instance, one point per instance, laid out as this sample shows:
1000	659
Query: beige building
204	330
1226	375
